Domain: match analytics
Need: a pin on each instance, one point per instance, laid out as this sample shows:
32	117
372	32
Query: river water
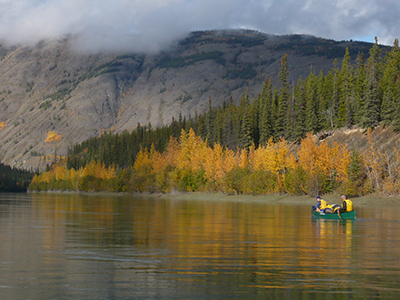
55	246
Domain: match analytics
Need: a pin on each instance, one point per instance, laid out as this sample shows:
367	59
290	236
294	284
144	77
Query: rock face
76	95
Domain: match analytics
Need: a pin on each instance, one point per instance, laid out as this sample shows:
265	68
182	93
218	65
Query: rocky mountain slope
53	88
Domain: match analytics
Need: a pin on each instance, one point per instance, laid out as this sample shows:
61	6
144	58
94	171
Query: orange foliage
59	172
2	125
341	158
272	158
171	153
191	154
98	170
320	158
192	151
382	169
243	158
52	137
373	162
218	163
142	161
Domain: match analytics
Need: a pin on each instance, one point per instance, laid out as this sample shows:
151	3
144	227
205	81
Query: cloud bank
151	25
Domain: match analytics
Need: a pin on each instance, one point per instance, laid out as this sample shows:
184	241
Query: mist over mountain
52	87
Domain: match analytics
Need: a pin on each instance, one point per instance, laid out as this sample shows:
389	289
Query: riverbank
369	200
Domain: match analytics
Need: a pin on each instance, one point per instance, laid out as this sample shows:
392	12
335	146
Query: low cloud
151	25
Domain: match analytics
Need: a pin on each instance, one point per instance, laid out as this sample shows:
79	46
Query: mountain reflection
118	246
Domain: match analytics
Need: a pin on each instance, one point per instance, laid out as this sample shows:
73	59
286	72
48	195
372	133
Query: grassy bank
370	200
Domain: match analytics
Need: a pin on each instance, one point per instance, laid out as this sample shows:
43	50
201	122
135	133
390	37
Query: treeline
189	164
363	93
14	180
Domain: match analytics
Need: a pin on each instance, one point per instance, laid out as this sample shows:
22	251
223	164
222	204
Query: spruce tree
312	107
359	88
300	105
246	138
371	110
388	84
281	118
325	92
335	99
266	107
345	109
210	124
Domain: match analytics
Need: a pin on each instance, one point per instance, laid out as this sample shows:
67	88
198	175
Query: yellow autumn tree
273	157
142	161
373	163
98	170
391	183
171	153
52	137
218	163
2	125
243	158
322	162
341	158
192	151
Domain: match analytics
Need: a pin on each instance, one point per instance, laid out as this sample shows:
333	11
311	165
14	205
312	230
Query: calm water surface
120	247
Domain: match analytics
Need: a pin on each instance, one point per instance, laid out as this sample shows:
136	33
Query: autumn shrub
87	183
60	185
142	182
121	182
295	181
186	180
37	184
236	180
354	186
260	183
316	183
163	181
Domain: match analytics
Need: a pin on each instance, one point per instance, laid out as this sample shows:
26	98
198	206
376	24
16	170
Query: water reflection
118	247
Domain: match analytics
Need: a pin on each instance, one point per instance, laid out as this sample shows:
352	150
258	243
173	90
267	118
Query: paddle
338	212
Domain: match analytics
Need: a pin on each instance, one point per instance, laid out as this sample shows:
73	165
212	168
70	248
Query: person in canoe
321	205
346	205
332	208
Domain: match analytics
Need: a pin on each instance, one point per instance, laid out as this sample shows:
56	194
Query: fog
151	25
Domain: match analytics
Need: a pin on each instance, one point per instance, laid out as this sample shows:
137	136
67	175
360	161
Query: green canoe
351	215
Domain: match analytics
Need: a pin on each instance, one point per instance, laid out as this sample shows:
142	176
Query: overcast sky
149	25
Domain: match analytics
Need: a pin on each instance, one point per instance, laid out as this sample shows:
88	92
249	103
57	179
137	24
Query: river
71	246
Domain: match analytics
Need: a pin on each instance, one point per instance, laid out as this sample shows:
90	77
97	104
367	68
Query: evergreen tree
345	109
359	88
331	111
388	85
281	118
266	107
300	116
229	128
246	132
210	124
325	91
312	107
371	109
396	114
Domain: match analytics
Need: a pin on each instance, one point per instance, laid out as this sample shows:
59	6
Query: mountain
52	96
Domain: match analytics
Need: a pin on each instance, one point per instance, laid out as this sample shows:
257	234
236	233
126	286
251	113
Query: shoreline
369	200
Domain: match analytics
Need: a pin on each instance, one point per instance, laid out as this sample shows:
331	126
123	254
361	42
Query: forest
259	146
14	180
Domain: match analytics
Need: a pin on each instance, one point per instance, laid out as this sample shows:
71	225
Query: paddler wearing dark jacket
347	205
